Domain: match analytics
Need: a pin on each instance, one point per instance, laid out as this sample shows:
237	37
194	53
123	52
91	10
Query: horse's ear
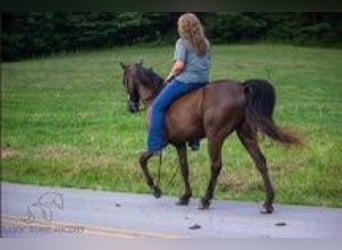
141	62
123	66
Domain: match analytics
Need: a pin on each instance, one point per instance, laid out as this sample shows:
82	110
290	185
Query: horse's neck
147	103
148	94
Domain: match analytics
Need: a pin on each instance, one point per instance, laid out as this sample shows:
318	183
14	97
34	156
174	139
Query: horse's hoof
157	193
267	209
204	205
182	202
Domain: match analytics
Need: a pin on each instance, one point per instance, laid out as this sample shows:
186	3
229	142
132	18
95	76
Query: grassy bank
64	123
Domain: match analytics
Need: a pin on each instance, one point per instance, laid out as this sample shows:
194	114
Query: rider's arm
176	69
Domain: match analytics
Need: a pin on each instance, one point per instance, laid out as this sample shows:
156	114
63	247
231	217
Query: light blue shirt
196	68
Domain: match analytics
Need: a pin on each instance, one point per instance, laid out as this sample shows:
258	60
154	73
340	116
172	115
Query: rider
189	72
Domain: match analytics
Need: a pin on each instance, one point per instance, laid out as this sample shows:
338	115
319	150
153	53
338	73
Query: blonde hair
191	30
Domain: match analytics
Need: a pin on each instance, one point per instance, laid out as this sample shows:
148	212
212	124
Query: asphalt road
32	211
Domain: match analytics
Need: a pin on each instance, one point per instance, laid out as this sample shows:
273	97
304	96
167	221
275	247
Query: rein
171	180
159	169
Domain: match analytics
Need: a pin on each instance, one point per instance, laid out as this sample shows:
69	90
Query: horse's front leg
143	160
184	166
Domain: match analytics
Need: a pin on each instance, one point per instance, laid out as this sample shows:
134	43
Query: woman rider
190	71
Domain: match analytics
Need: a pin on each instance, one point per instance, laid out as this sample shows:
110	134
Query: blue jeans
173	90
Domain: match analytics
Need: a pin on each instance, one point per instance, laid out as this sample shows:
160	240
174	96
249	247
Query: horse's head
129	82
140	83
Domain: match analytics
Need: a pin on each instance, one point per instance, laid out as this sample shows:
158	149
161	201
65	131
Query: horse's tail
260	102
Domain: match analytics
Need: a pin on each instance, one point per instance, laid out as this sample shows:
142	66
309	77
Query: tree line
32	34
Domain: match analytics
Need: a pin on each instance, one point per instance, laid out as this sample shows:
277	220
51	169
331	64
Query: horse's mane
150	78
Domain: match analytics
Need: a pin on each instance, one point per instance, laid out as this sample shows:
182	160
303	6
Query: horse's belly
184	131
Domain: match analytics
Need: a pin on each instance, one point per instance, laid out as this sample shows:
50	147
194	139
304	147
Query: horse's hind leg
214	150
248	138
143	160
184	167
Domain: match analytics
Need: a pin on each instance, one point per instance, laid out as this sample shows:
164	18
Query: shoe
156	153
194	145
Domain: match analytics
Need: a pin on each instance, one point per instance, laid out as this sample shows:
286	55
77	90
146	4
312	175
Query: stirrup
194	147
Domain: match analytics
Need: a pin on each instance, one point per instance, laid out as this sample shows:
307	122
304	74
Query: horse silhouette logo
44	206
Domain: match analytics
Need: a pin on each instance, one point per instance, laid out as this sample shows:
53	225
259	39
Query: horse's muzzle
132	107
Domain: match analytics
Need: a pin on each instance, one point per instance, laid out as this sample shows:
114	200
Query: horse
212	112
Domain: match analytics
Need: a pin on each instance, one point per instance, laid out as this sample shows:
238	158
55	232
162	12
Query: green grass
64	123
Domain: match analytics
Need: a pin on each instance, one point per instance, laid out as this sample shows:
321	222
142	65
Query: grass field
64	123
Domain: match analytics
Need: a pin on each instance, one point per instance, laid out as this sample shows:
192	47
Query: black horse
214	112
